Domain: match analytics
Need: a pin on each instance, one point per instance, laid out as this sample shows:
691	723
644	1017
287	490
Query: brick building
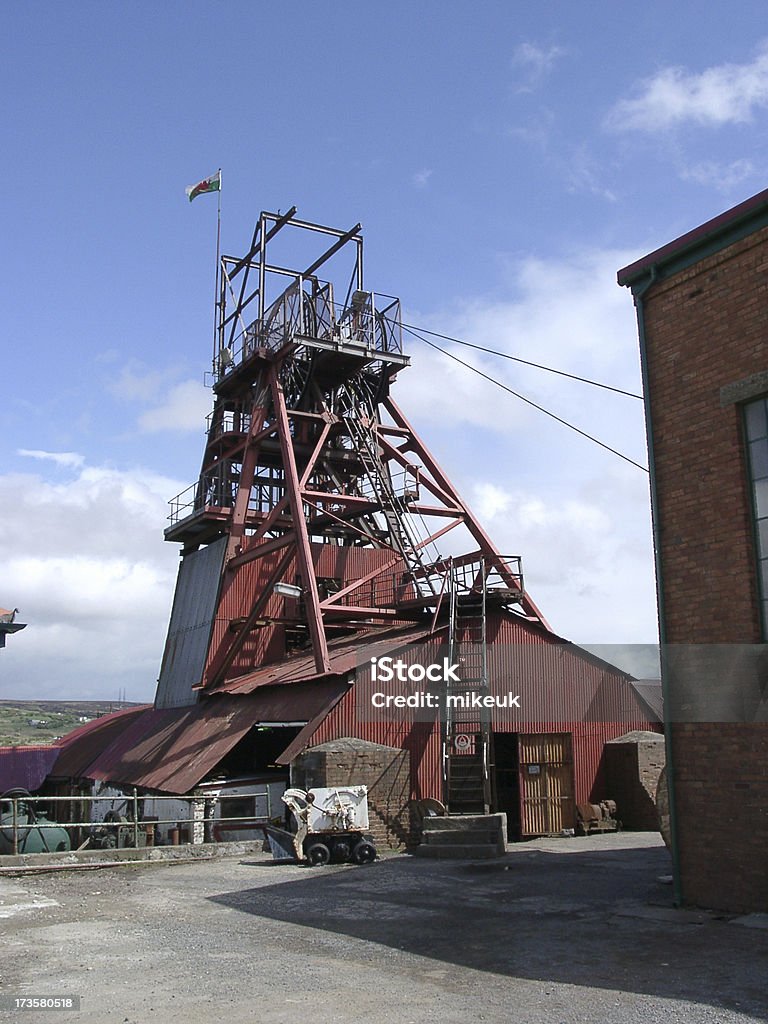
703	323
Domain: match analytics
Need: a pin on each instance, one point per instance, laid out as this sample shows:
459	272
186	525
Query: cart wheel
342	851
318	854
364	852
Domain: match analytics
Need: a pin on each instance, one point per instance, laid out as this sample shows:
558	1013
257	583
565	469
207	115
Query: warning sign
464	743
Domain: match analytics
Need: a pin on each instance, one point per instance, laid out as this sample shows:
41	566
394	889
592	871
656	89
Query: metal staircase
359	413
467	729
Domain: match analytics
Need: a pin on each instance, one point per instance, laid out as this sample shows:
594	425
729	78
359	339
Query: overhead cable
528	401
526	362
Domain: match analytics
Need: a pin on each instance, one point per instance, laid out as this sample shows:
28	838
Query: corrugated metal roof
345	654
81	746
25	767
301	740
172	749
651	697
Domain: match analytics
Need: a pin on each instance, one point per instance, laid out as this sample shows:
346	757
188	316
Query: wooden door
547	804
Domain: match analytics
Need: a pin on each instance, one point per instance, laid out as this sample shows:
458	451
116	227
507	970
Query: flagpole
216	296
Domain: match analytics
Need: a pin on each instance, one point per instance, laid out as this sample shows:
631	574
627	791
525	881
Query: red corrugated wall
560	685
268	643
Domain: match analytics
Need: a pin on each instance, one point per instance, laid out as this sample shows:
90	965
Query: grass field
43	721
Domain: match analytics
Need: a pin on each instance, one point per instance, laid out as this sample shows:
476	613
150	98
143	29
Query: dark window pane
754	416
758	458
761	498
762	538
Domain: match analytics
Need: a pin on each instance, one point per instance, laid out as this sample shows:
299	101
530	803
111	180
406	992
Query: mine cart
331	827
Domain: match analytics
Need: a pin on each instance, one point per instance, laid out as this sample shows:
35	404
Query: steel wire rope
528	401
518	359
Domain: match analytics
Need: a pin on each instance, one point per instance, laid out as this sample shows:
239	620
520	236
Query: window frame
754	421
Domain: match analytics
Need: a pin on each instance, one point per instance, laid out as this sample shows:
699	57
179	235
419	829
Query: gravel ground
558	932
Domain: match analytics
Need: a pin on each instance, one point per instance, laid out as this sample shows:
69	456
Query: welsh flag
212	184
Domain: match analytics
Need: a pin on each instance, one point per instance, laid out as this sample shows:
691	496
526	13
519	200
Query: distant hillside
44	721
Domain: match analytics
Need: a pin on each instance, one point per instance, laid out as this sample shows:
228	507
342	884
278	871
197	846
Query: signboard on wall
463	743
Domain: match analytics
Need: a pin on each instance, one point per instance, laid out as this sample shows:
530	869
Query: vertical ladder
467	729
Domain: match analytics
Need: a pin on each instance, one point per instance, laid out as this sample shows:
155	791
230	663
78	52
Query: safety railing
501	573
384	591
370	320
126	824
183	504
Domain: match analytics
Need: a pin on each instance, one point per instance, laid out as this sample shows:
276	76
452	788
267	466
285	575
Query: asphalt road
560	931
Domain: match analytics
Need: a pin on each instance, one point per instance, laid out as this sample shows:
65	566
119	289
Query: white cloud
490	500
723	94
182	409
536	62
568	314
85	562
169	405
421	178
722	176
585	174
135	383
536	132
577	515
587	561
68	459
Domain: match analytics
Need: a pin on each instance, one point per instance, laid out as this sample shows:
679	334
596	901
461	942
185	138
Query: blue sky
505	160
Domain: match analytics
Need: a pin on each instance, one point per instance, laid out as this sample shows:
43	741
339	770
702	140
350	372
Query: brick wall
721	789
706	328
354	762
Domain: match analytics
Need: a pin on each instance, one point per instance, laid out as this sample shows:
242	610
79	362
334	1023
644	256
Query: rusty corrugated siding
650	694
558	681
267	644
351	563
173	749
236	602
564	690
345	653
26	767
80	747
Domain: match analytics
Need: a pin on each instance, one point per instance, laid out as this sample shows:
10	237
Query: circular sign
462	741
